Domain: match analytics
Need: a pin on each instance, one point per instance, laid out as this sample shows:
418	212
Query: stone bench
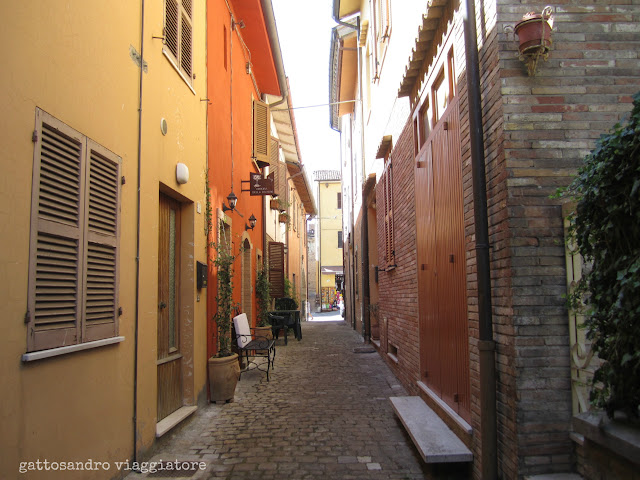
433	439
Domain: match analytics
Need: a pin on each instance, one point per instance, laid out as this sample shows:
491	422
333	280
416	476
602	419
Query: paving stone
325	414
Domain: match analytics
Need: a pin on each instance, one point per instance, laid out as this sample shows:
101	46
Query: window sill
182	75
54	352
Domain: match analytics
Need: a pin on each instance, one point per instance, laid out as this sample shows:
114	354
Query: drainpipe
486	344
137	292
270	21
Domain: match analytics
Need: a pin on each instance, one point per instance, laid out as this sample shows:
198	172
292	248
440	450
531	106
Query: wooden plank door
169	355
444	357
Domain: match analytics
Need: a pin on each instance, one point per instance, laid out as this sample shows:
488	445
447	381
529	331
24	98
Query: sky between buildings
304	30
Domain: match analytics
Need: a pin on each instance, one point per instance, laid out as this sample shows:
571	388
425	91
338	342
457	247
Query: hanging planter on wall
534	36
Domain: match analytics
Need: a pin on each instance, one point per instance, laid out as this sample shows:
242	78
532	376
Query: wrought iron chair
253	346
286	316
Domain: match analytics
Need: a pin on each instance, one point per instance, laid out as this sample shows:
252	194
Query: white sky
304	30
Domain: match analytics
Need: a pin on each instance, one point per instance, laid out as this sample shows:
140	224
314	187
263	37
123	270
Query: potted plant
283	218
534	32
224	369
263	298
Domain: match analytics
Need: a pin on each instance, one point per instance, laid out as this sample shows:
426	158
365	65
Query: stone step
433	439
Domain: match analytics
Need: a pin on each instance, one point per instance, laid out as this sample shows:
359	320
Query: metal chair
253	346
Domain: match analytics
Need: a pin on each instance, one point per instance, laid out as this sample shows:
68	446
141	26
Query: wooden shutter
178	34
101	278
276	269
388	214
274	165
56	243
73	265
384	24
171	26
186	40
261	132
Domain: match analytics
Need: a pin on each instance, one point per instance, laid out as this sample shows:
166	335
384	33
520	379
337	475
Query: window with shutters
261	133
340	242
279	171
276	269
387	187
74	240
178	36
339	200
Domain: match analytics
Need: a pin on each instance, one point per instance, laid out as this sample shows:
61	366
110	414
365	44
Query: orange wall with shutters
231	92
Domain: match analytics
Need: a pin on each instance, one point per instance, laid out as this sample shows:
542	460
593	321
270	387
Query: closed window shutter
392	251
388	215
282	181
73	266
171	26
276	269
186	41
178	34
274	166
101	281
261	132
56	244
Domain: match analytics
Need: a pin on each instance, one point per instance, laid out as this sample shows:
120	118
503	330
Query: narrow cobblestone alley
325	414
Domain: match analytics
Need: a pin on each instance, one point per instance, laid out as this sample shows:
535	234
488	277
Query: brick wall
398	292
550	122
537	130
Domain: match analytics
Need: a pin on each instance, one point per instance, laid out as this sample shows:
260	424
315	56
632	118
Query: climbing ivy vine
606	230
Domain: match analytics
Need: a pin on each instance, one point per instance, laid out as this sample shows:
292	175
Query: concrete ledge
433	439
448	410
167	423
617	435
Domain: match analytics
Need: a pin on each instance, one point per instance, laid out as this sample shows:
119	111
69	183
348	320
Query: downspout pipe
486	344
137	292
274	42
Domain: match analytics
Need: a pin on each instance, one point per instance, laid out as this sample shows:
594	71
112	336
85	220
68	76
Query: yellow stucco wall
330	223
72	59
76	406
166	95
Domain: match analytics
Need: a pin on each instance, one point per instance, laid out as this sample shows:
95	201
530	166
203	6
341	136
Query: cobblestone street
325	414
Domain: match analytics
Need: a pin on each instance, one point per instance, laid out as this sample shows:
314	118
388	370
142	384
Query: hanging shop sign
259	186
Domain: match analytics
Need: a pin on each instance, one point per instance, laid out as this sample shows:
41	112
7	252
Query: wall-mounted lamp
233	200
252	223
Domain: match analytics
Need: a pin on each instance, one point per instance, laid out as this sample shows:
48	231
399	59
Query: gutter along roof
343	70
283	117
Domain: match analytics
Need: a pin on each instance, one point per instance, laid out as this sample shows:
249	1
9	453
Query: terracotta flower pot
534	32
223	378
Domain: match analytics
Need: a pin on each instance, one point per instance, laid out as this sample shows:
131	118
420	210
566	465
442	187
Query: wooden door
169	355
441	264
